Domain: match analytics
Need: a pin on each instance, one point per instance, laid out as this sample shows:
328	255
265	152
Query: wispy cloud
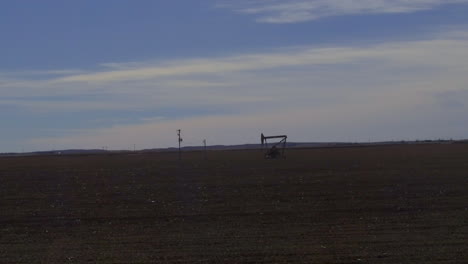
204	72
248	78
294	11
335	92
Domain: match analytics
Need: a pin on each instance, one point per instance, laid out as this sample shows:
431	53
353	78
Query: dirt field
391	204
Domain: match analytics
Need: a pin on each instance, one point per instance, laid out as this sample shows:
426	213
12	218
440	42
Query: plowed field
387	204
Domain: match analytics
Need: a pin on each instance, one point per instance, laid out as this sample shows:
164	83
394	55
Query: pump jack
274	152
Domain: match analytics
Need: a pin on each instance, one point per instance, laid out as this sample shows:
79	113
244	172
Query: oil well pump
277	149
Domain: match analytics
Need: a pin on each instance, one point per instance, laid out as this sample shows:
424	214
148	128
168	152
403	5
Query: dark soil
389	204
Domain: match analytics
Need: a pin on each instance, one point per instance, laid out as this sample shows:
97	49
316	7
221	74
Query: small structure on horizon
180	140
277	149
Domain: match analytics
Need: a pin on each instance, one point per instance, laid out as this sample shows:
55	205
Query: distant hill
231	147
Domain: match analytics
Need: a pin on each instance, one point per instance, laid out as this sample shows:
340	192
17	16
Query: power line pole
180	140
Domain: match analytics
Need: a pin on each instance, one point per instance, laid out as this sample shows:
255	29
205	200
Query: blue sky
87	74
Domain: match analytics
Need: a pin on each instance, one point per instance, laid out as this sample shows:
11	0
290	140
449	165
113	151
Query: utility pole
180	140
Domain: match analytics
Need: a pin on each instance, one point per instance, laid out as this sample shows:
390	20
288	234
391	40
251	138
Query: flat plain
380	204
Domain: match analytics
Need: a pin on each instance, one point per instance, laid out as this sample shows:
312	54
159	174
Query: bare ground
390	204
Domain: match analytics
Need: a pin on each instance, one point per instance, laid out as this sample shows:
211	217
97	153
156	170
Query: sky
124	73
